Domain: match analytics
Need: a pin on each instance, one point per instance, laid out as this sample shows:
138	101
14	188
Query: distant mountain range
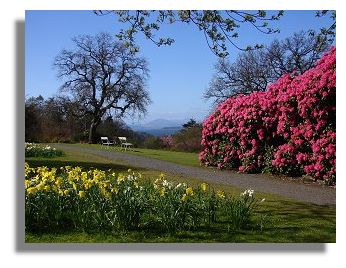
159	127
167	131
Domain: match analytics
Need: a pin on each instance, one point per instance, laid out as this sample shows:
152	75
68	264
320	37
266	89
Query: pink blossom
296	115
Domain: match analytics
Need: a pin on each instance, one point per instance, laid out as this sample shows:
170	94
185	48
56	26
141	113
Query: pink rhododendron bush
289	129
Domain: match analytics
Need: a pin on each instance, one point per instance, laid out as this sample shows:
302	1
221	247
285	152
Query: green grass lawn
278	219
183	158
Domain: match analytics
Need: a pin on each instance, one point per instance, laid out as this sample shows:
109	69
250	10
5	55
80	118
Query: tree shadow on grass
299	210
300	222
50	163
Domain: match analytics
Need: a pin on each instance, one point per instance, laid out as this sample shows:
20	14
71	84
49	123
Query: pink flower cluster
167	141
289	129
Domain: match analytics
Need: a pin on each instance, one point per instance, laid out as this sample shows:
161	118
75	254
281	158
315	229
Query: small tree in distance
103	75
191	123
188	139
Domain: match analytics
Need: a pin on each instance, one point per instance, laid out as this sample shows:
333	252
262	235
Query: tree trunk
92	132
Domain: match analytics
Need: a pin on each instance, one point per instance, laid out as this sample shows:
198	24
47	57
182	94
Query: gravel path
259	182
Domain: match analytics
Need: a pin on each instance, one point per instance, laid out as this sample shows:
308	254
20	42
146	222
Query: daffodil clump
73	198
239	210
38	150
178	206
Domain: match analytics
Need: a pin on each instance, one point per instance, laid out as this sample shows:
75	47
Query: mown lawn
278	219
183	158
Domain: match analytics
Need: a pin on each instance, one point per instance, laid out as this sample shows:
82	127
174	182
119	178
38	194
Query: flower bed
37	150
289	129
70	198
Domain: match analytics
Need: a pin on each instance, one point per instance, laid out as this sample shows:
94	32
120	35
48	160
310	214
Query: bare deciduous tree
254	70
103	75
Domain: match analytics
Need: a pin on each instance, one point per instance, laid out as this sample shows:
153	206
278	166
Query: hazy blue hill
162	131
159	127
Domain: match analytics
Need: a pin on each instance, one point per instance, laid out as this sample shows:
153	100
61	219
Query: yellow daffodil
27	183
87	185
84	176
81	194
74	186
31	190
104	192
115	190
184	198
121	178
40	186
78	169
28	169
54	188
162	191
157	183
58	181
204	186
220	194
189	191
47	188
135	183
106	184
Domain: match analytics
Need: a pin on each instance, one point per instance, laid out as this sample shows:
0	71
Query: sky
179	74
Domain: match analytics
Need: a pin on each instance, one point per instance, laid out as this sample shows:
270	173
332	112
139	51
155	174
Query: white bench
105	141
124	144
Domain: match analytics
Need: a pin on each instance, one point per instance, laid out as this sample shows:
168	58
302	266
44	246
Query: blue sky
179	74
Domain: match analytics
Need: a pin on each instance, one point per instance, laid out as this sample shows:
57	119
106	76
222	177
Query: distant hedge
289	129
